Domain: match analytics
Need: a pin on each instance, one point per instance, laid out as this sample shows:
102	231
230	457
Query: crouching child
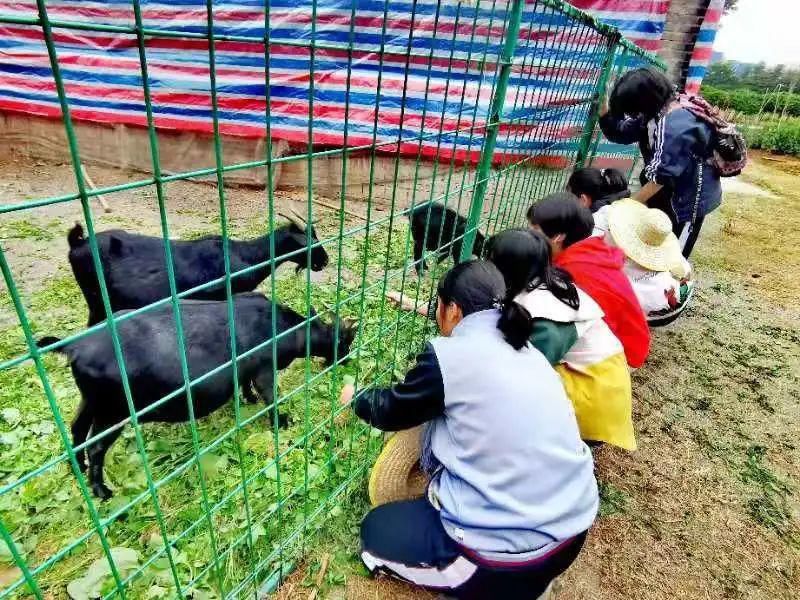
512	491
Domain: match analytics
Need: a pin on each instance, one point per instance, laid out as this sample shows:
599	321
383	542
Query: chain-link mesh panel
371	111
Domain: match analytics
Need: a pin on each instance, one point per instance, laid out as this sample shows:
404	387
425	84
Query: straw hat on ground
645	236
396	474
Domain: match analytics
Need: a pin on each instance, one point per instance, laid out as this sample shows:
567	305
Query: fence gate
480	105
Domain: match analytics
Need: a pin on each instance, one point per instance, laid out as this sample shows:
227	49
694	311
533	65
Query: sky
762	30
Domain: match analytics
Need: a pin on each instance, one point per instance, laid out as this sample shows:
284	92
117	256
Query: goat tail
75	236
47	341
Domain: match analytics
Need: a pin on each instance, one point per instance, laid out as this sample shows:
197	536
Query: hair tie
498	303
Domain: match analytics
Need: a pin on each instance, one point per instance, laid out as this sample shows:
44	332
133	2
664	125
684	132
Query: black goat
135	268
440	229
152	363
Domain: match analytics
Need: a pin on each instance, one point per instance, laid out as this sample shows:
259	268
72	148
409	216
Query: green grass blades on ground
294	479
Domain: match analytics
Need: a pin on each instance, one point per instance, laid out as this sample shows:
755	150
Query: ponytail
515	323
597	183
560	284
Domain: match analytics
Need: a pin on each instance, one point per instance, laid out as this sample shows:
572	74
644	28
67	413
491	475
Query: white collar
542	304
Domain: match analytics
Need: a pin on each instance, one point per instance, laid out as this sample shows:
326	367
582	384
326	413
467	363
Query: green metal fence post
241	528
492	128
619	61
597	101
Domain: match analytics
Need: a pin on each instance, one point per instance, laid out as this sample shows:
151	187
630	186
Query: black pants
685	232
407	540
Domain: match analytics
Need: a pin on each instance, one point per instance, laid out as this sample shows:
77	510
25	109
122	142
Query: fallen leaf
9	438
90	585
5	552
43	428
257	531
259	443
9	575
212	464
11	415
156	591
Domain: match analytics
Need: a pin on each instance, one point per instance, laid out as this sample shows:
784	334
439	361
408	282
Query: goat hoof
283	421
101	490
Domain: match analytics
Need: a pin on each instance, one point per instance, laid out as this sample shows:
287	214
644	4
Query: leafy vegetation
296	477
748	102
773	135
753	89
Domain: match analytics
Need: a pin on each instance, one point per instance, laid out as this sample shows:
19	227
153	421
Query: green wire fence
225	506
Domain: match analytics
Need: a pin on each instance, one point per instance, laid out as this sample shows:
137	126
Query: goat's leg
263	382
81	425
419	249
97	457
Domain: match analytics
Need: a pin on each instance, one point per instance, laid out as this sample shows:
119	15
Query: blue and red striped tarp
703	49
361	85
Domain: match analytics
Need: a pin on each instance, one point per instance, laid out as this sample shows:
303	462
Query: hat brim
396	474
622	220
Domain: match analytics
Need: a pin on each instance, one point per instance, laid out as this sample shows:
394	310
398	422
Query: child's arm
650	189
411	402
404	302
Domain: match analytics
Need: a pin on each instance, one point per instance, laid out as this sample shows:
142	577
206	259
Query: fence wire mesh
481	107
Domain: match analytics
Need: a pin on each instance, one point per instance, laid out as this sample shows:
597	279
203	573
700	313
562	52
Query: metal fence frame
508	185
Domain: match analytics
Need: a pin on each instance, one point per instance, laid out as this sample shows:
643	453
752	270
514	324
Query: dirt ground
708	507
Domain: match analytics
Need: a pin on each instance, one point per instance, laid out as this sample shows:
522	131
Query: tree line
753	89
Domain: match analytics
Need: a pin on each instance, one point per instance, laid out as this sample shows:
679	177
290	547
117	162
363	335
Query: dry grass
760	237
708	507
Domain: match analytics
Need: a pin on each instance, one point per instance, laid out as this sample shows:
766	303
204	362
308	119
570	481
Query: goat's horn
293	217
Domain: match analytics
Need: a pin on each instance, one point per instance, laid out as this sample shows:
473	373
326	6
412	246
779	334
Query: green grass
770	505
613	501
29	229
47	512
770	133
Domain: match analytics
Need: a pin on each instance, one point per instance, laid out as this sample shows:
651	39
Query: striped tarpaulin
703	49
417	75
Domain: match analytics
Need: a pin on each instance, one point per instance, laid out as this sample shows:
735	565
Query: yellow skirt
601	395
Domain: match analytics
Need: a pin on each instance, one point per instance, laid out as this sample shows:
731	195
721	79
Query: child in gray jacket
512	492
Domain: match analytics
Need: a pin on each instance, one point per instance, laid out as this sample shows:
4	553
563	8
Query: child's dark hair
642	92
473	285
524	259
597	183
562	213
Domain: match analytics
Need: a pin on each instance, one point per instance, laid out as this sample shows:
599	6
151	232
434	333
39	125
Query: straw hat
645	236
397	474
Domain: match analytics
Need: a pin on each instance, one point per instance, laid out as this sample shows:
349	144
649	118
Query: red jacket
596	268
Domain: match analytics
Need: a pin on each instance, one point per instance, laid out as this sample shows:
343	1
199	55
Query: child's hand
348	391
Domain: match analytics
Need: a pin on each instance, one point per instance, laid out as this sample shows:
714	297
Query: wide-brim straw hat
396	474
645	236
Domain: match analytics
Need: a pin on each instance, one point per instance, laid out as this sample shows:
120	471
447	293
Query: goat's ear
348	324
115	245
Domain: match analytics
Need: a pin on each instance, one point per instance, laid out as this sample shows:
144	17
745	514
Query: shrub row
750	102
781	138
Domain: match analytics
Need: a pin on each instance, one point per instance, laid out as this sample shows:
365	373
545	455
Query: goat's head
332	347
301	233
